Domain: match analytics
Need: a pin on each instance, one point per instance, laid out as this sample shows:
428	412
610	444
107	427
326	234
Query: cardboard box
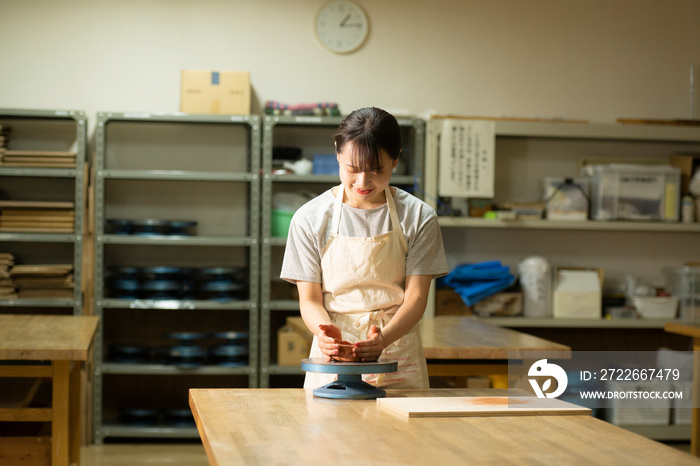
578	294
688	164
449	303
293	342
215	92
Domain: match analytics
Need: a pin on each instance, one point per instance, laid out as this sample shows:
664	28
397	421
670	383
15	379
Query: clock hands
344	22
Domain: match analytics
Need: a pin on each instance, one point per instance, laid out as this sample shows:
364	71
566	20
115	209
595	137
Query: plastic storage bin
681	412
626	412
279	222
634	192
325	164
684	283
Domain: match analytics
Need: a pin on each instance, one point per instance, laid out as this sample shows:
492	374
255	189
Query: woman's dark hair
370	130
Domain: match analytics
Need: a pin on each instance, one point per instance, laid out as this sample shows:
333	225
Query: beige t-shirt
308	234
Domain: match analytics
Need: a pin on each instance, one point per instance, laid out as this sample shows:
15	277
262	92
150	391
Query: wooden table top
291	426
455	337
46	337
689	329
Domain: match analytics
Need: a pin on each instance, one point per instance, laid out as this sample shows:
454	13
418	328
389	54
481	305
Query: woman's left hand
371	348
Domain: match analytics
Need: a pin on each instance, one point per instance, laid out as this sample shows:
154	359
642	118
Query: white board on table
479	406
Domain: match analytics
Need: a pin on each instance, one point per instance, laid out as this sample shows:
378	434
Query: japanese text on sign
466	156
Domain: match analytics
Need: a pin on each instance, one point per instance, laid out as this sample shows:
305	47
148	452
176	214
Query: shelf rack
558	138
519	143
207	171
39	129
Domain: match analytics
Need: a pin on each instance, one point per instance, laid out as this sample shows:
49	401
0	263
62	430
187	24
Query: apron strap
335	222
395	224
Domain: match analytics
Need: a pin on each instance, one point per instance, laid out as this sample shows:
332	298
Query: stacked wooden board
32	158
37	216
4	133
43	281
8	289
37	159
465	406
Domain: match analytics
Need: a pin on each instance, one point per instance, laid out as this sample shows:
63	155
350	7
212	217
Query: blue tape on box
215	78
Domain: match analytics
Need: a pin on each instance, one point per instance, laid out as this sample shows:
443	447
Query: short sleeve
426	255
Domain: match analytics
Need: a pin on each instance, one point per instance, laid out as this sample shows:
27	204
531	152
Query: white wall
593	59
585	59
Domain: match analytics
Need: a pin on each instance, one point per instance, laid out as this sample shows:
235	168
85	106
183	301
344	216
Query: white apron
363	285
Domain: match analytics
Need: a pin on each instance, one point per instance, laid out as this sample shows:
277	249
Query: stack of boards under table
34	281
8	289
37	216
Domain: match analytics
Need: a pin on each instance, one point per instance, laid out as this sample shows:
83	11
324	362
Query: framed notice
467	155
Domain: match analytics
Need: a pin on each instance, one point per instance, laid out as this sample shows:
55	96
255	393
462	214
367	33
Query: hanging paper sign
467	155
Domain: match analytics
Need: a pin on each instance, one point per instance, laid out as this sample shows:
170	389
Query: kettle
300	167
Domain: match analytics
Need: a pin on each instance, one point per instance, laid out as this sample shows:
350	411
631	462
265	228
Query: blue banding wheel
349	385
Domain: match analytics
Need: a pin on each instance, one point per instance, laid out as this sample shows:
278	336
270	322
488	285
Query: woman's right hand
328	340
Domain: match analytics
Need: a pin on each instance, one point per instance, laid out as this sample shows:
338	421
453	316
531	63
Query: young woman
363	255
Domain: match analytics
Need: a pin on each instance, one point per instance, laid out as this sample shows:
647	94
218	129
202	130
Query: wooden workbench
463	346
291	426
61	342
692	329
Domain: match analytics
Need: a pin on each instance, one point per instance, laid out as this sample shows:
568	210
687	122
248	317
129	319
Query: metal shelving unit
525	149
683	138
48	130
204	166
555	145
315	136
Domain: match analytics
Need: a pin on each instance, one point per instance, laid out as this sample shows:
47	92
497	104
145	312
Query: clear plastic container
536	282
684	282
634	192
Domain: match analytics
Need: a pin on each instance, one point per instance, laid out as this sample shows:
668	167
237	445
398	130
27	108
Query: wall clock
341	26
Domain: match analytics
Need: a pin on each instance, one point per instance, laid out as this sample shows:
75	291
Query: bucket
279	222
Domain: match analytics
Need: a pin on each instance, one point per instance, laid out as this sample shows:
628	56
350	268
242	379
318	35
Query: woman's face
364	190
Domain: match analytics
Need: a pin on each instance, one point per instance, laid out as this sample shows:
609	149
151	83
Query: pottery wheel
349	384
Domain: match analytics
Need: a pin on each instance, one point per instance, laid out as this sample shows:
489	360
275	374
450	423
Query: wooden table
463	346
291	426
62	341
692	330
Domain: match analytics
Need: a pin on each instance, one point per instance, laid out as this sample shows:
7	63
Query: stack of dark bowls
221	284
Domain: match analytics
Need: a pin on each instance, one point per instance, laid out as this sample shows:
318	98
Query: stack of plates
157	283
151	227
191	350
223	284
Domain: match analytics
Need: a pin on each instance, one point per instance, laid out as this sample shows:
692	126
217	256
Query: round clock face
341	26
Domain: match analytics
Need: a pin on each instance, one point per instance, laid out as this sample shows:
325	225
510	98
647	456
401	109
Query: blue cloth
474	282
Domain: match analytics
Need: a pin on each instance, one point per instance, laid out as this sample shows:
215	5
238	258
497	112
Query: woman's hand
371	348
329	340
